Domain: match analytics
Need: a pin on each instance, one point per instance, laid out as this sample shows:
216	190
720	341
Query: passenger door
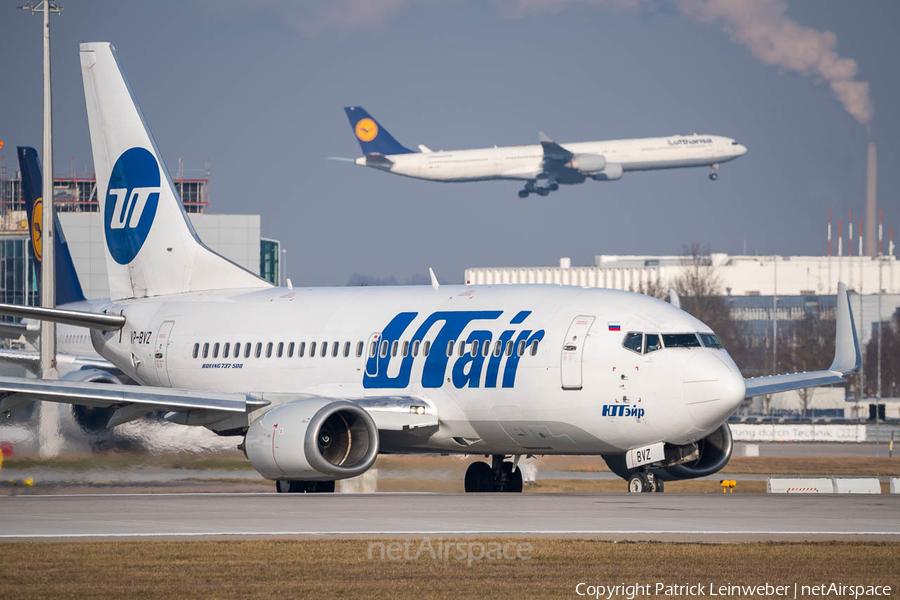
573	352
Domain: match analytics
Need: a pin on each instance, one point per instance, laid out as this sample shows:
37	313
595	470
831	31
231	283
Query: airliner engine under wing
318	381
543	167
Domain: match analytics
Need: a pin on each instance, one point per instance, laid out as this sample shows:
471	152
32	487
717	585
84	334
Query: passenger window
225	350
372	348
205	350
651	343
462	348
359	349
312	349
290	350
405	351
324	349
415	348
509	348
486	347
450	345
534	347
216	350
301	350
269	350
384	348
247	349
633	341
521	348
394	347
196	350
237	350
346	349
475	348
258	349
426	349
280	351
498	348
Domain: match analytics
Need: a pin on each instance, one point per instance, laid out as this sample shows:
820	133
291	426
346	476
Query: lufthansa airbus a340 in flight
314	383
543	167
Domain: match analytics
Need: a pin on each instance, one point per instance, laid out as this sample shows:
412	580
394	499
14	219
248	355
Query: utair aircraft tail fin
151	246
68	287
372	137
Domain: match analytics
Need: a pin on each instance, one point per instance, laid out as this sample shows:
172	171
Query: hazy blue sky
258	88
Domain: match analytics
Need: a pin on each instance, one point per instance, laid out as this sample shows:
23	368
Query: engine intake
312	439
91	419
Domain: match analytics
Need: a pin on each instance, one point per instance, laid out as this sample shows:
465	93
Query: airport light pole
49	420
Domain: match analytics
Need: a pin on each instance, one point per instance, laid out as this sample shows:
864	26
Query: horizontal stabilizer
847	358
68	317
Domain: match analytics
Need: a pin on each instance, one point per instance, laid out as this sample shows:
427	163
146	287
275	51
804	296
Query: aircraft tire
523	193
713	176
479	478
638	483
512	479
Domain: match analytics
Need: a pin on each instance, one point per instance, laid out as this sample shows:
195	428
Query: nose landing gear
502	476
713	175
644	482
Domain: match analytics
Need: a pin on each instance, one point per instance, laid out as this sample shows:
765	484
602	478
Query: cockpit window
681	340
652	343
633	341
710	340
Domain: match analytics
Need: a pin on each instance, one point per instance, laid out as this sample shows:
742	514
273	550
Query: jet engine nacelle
611	172
706	457
91	419
588	163
312	439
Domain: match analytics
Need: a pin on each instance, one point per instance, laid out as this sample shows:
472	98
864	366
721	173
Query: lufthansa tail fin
68	287
372	137
151	246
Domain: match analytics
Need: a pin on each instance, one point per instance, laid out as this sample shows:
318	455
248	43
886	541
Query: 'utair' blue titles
467	369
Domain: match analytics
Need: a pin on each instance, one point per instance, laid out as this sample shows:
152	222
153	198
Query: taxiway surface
680	517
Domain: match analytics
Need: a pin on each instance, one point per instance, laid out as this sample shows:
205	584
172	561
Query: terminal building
237	237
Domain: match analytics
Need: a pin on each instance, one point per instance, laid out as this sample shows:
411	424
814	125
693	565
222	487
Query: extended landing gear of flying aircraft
287	486
713	176
541	187
644	482
503	476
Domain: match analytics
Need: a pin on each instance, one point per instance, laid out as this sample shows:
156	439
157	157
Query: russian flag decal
615	327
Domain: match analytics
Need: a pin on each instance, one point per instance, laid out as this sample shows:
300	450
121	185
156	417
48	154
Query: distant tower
871	199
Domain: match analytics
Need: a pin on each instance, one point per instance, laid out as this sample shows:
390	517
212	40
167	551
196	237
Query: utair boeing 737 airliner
542	167
316	382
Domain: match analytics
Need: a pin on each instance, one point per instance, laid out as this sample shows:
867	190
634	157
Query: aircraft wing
31	360
847	358
131	401
12	331
552	150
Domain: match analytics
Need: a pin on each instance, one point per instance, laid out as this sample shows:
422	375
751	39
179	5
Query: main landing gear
541	187
501	476
287	486
644	482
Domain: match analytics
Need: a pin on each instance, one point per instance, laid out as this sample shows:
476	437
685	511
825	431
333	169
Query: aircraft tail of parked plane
152	248
68	287
372	137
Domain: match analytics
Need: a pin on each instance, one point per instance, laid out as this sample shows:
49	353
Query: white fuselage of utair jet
542	166
319	381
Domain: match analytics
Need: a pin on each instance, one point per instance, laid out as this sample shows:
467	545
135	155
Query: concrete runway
681	517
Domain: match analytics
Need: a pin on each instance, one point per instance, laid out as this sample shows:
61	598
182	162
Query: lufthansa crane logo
132	197
366	130
37	228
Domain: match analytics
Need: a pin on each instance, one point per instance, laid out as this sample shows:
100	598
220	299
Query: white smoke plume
777	40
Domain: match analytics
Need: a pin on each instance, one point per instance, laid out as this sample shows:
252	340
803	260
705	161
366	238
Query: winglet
674	300
847	358
552	150
434	281
544	138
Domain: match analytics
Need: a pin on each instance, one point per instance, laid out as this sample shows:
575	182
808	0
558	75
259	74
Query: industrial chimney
871	201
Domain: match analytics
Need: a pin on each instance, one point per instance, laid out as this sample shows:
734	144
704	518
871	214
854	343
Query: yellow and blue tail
372	137
68	288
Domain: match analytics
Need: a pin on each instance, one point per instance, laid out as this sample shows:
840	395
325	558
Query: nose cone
741	150
713	387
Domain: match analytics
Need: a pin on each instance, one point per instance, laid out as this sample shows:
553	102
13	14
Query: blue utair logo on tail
372	137
132	197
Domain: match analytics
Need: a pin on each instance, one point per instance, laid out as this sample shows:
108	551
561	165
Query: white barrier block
857	485
795	485
895	485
